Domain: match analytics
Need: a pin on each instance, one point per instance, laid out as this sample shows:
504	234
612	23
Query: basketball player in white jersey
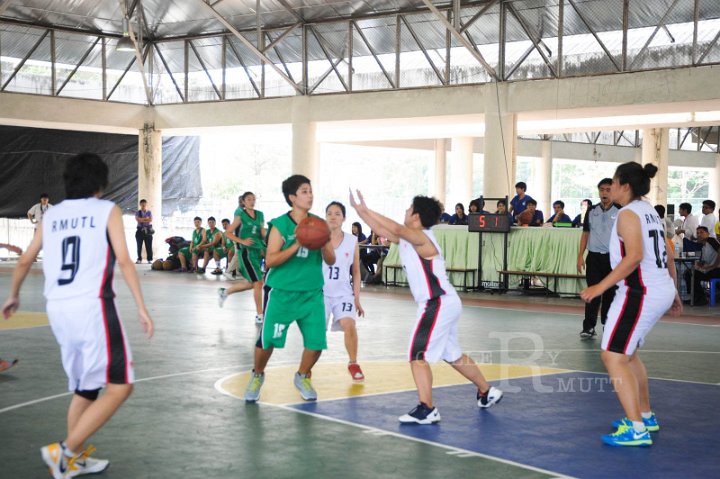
435	335
646	290
82	239
342	297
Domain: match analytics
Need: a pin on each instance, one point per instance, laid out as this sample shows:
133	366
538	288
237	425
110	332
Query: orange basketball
312	232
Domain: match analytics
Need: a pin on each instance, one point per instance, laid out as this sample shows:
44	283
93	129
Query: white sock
66	450
646	415
639	426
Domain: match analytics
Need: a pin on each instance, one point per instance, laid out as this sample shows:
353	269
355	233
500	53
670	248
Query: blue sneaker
252	391
303	384
627	436
651	423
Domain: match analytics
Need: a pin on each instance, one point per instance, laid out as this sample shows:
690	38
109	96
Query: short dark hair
532	202
709	203
292	184
704	228
428	209
224	220
339	205
560	203
685	206
211	218
660	210
197	218
85	175
246	194
521	184
143	201
637	176
501	202
605	181
44	195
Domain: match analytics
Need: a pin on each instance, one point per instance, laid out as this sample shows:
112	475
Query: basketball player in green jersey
191	253
248	231
296	281
228	249
213	245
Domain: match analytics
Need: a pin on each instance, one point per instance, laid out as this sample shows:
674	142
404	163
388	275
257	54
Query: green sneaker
651	423
252	391
307	392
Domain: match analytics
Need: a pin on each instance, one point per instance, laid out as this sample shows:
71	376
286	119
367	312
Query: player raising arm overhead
434	336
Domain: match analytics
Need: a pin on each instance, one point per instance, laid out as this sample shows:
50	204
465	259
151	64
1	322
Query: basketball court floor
186	418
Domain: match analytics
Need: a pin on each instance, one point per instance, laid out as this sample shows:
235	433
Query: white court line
452	450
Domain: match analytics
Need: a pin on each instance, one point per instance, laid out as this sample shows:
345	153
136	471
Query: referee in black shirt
597	227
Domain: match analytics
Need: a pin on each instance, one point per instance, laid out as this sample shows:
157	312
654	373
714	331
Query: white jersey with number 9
78	260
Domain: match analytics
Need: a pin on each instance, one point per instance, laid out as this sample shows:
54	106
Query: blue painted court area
558	430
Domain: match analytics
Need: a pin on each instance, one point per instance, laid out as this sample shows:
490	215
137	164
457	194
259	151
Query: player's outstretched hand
11	305
146	322
360	203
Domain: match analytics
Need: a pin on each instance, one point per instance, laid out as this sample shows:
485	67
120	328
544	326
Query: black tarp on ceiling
32	161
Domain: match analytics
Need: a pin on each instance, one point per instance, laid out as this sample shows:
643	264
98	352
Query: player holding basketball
82	238
295	279
342	297
435	334
645	292
248	232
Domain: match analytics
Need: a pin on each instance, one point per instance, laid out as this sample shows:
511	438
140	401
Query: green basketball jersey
228	242
197	237
251	227
210	236
302	272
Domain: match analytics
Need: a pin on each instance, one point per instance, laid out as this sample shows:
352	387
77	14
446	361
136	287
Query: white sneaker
84	464
222	296
421	414
494	395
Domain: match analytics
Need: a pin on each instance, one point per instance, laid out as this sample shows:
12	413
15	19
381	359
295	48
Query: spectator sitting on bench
459	218
707	268
580	219
502	210
559	216
688	228
531	216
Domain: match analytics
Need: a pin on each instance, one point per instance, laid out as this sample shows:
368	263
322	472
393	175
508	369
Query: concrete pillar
462	171
714	190
638	155
543	178
305	148
500	147
439	190
656	149
150	176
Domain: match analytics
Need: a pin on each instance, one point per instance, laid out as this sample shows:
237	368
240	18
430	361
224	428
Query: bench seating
466	272
547	276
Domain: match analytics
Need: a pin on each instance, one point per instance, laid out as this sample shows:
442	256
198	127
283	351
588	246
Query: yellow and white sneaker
57	463
84	464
